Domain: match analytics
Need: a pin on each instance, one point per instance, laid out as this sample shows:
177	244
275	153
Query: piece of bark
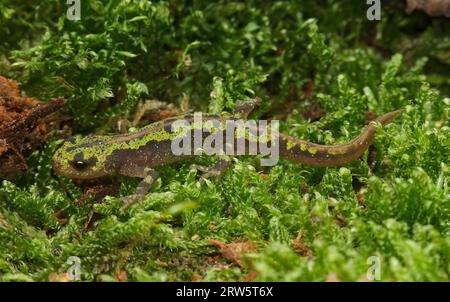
433	8
24	125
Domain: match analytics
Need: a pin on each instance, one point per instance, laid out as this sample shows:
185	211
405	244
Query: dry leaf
235	250
59	277
300	247
196	277
332	277
121	275
251	277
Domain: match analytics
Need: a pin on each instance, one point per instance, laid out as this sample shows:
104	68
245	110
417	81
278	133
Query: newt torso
105	155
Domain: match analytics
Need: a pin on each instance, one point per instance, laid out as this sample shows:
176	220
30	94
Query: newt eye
79	165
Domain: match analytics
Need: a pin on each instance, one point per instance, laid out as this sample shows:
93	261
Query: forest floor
321	68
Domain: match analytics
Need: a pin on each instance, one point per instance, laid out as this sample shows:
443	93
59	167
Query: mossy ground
294	54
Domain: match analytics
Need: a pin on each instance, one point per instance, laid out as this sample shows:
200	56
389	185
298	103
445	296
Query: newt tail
299	151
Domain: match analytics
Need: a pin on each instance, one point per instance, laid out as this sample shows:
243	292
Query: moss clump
295	56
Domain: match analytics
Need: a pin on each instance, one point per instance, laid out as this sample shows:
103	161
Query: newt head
81	158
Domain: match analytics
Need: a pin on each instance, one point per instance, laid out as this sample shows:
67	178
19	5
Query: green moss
292	54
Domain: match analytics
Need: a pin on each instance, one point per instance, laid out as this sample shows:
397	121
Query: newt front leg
142	189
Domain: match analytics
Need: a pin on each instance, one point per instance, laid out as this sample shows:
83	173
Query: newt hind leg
242	110
216	170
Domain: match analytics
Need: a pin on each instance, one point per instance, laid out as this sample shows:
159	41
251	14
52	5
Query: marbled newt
136	154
